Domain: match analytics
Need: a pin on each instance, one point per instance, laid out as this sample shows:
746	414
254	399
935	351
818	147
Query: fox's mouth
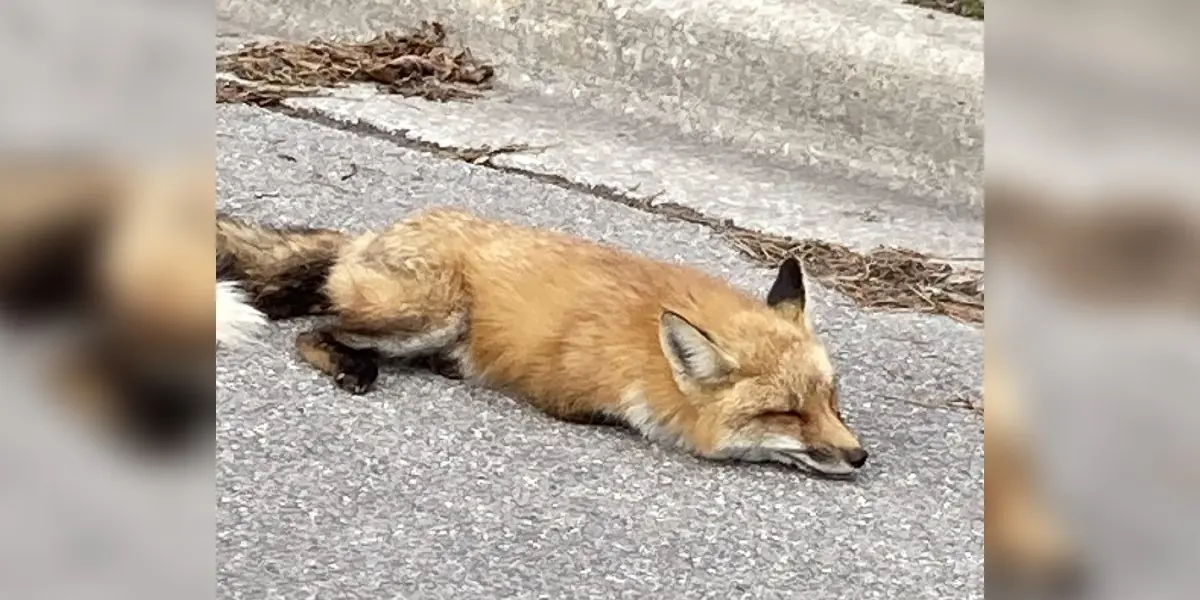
805	462
792	453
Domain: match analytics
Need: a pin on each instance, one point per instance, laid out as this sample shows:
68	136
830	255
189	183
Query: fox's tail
270	273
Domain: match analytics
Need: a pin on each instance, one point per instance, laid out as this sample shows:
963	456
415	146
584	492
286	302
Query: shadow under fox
582	331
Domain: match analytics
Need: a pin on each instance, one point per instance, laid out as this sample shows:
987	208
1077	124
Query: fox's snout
837	461
833	447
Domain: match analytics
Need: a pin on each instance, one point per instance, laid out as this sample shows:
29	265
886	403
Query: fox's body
582	331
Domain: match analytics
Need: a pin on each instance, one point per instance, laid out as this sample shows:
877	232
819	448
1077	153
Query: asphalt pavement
429	488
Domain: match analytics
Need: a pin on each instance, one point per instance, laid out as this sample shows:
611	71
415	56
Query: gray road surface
427	488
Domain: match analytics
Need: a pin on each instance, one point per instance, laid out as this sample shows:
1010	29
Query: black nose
856	457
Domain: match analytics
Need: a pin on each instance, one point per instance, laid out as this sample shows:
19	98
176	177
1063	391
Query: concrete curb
873	89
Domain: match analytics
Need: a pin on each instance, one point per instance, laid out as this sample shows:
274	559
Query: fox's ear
692	354
787	295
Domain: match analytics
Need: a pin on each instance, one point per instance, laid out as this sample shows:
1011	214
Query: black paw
358	375
437	364
445	367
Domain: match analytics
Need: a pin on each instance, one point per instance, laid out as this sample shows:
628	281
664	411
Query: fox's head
762	382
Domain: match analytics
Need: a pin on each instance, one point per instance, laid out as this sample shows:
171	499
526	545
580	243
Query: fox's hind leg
395	296
353	359
445	363
354	370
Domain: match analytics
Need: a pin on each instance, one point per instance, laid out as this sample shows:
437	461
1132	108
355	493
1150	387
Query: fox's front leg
353	369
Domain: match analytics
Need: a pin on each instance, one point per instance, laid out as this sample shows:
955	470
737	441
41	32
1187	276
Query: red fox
580	330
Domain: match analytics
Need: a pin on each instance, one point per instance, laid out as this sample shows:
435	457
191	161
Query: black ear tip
789	283
791	265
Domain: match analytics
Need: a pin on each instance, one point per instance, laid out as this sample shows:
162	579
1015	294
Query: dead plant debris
971	9
259	94
416	64
885	278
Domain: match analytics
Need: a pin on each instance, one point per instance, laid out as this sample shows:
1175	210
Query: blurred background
106	300
1093	246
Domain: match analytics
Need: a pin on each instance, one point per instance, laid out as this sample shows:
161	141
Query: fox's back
555	316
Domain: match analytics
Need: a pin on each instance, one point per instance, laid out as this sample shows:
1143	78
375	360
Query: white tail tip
237	321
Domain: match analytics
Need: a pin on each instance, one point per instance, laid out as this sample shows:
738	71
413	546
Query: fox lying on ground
582	331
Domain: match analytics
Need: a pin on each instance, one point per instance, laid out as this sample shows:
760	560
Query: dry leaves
971	9
885	278
416	64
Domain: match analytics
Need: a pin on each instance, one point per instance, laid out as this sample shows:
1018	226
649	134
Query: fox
578	329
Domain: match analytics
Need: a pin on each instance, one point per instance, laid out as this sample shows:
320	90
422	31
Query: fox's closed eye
784	415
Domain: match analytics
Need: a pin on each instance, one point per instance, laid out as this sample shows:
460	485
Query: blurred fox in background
119	257
1104	250
1028	553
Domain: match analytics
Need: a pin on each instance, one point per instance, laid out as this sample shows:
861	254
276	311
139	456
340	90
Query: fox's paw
446	367
357	377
